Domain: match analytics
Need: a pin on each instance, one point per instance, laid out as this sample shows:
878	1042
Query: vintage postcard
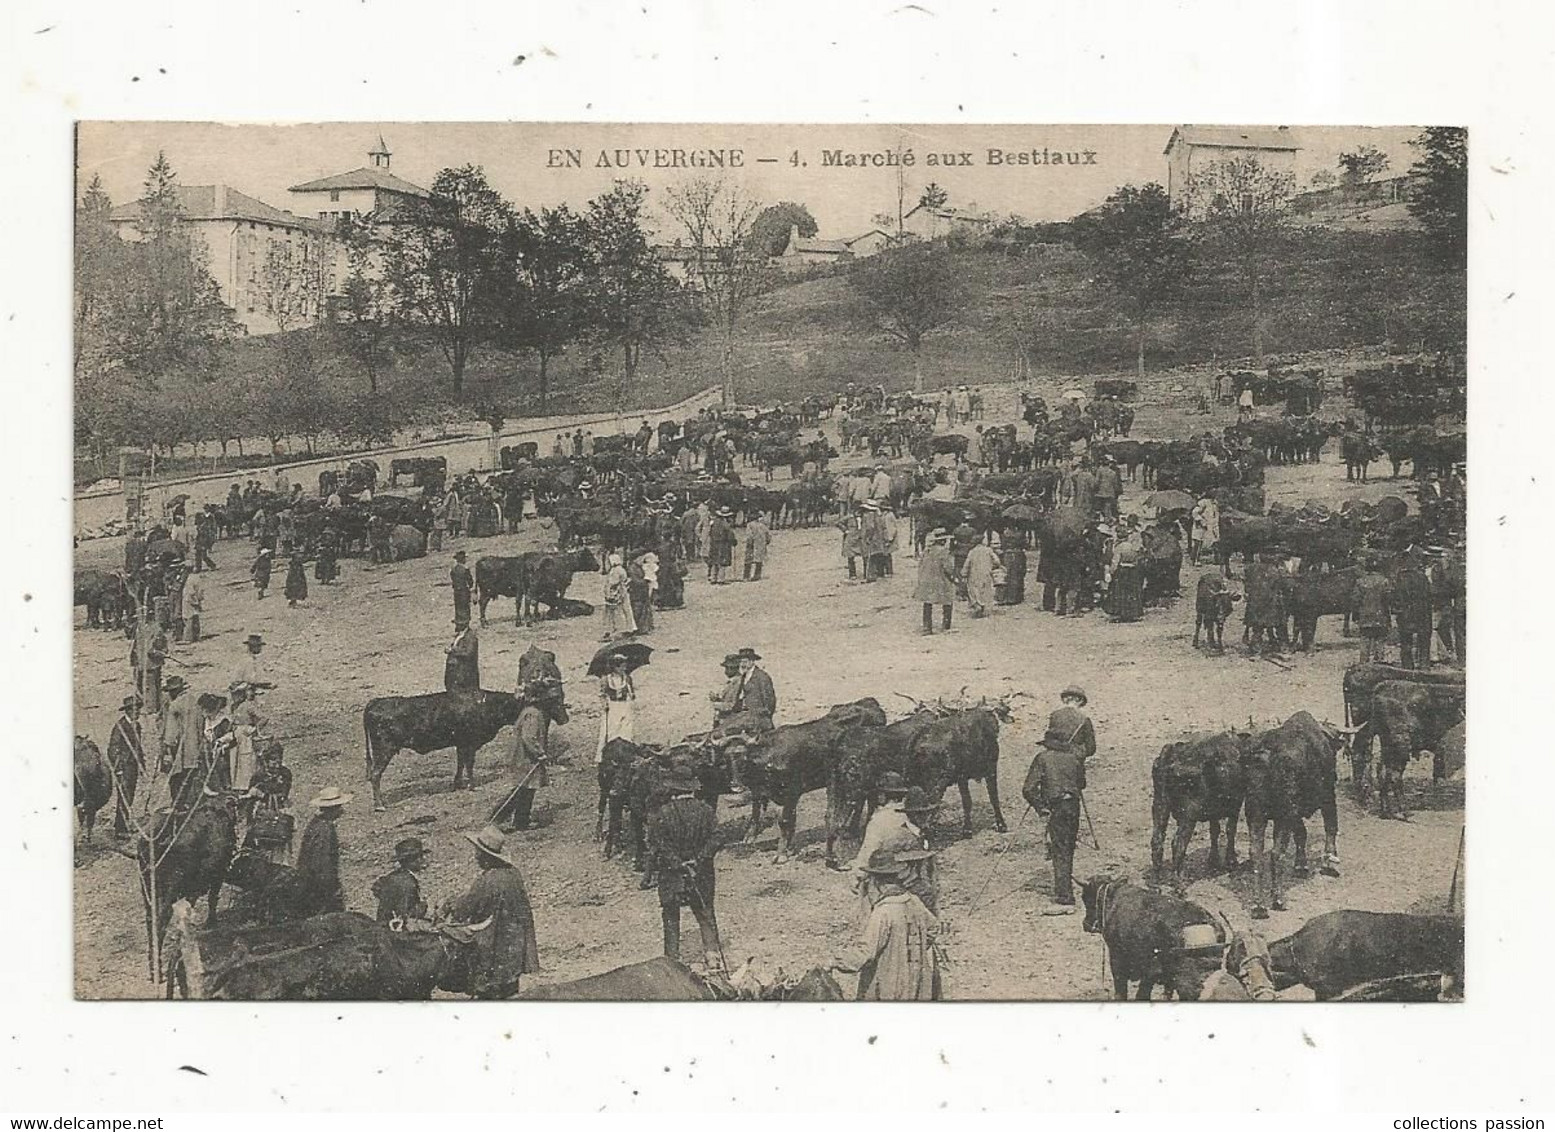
771	562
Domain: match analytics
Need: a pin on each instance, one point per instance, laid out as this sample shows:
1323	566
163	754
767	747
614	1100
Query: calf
1339	951
464	720
1199	778
1144	934
1290	775
1211	606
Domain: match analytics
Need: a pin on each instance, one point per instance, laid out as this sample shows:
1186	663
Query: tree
1138	240
933	196
770	229
364	315
1440	200
727	269
1324	179
441	262
632	301
1362	164
909	292
544	296
1242	202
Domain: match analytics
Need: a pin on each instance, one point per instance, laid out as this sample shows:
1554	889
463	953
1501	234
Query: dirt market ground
825	640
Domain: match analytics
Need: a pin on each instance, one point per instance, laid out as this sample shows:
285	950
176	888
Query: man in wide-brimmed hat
889	827
318	856
725	698
506	948
684	835
1069	728
936	580
757	697
399	892
463	583
720	545
462	666
183	741
1053	787
250	669
899	960
126	760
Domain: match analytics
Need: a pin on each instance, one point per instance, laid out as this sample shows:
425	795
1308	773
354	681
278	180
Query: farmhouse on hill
1192	149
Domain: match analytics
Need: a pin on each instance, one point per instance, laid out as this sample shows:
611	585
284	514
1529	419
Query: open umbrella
636	656
1021	513
1170	501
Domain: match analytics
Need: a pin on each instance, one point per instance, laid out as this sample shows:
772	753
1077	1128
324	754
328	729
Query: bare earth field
825	640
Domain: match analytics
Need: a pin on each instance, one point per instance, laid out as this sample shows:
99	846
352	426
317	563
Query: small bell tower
380	154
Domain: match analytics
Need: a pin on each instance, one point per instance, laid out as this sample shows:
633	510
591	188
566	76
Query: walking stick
1086	810
522	784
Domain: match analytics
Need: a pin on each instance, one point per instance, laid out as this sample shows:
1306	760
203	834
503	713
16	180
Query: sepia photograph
486	546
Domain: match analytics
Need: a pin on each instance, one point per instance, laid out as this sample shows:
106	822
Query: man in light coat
758	536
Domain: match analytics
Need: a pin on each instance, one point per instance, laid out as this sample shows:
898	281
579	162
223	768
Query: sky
531	163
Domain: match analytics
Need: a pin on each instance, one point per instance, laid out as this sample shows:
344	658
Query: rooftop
366	177
1235	137
219	202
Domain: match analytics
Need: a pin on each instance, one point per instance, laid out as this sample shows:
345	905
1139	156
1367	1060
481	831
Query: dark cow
1290	776
511	456
93	784
464	720
1361	681
104	596
186	857
424	471
631	778
1212	604
499	576
339	957
549	574
950	445
1144	934
1199	778
785	764
959	748
655	980
1407	717
1339	951
1312	595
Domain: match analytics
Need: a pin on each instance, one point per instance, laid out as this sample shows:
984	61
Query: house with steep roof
931	222
1192	149
807	251
243	237
371	190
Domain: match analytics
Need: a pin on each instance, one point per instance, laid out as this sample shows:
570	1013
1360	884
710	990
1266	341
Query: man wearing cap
1053	788
899	960
183	733
936	580
462	668
463	584
720	545
683	839
506	949
125	762
399	892
1412	604
758	537
318	856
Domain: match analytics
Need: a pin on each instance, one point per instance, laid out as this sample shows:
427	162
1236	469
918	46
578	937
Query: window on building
334	194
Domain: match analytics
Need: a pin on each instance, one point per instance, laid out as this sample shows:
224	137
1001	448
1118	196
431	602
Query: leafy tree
727	269
441	262
544	297
364	316
1362	164
1138	240
1440	201
633	301
933	196
1324	179
770	229
910	292
1242	202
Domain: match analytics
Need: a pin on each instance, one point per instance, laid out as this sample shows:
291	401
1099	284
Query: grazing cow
339	956
1407	717
959	748
186	857
1149	936
548	575
104	596
787	763
94	785
1290	773
1199	778
464	720
1338	951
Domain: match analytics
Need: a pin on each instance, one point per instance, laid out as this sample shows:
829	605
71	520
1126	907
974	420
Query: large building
245	240
1193	149
249	243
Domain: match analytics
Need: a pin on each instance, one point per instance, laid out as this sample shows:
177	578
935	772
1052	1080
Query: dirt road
825	640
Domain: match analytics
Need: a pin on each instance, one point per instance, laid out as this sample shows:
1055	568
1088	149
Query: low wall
464	454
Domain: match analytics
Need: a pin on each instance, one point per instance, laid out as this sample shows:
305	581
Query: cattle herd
1011	484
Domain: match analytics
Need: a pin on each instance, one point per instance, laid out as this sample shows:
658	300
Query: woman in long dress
618	601
1206	528
617	696
978	570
